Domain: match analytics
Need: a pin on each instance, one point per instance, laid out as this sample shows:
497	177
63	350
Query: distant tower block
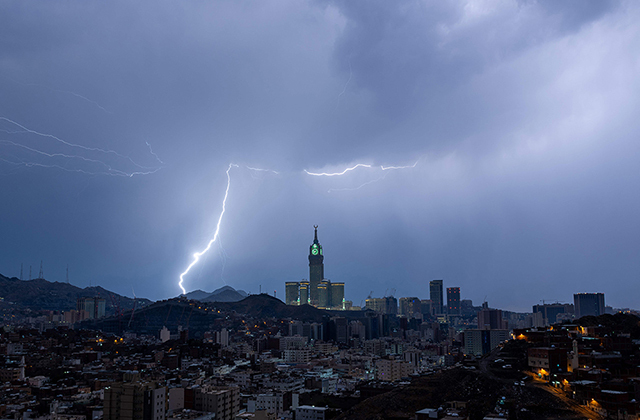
436	296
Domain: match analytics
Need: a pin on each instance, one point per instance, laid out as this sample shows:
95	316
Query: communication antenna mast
21	276
67	273
41	273
29	271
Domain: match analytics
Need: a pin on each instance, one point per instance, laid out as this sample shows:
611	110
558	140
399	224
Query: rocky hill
223	294
265	306
41	294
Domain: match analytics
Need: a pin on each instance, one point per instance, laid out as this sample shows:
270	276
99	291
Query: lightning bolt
77	95
364	165
358	187
197	255
109	169
151	151
262	170
388	168
359	165
344	89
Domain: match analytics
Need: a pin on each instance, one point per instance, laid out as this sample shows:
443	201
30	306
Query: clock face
314	251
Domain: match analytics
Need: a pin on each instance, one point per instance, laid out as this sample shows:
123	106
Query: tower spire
315	234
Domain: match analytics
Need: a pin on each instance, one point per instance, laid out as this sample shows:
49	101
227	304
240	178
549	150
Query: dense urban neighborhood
258	358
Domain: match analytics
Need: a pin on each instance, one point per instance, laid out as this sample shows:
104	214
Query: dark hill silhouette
223	294
263	305
193	315
41	294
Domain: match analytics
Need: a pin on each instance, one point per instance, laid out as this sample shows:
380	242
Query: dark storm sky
119	119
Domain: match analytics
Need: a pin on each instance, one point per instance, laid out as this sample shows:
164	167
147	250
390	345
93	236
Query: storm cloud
120	119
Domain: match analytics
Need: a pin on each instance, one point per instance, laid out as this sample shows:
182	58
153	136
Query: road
588	413
485	362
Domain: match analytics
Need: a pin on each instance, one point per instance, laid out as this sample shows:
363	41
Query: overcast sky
513	126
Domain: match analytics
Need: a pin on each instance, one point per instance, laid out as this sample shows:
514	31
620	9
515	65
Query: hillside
265	306
223	294
185	313
41	294
173	313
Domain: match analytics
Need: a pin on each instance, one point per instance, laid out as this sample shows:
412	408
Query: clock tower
316	268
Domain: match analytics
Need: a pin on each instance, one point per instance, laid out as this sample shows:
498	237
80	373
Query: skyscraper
304	292
491	319
324	294
410	306
337	295
588	304
316	268
435	294
453	300
292	293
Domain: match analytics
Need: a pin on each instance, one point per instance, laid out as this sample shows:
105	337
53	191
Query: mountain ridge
222	294
42	294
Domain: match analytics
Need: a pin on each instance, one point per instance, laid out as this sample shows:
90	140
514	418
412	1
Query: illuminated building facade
316	268
317	291
292	292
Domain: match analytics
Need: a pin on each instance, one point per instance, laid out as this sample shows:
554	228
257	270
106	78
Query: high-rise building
318	291
491	319
436	295
588	304
316	268
453	300
87	306
385	305
550	311
304	293
410	306
337	296
100	307
324	294
92	307
481	342
425	307
292	293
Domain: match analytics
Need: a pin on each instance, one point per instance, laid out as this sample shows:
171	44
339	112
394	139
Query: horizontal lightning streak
359	165
358	187
262	170
92	149
77	95
197	255
387	168
382	167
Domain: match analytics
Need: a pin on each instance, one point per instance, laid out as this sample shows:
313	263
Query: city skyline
489	145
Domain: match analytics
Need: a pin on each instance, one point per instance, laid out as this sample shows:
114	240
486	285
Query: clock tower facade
316	268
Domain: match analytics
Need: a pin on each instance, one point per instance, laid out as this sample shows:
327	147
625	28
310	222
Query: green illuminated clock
314	251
